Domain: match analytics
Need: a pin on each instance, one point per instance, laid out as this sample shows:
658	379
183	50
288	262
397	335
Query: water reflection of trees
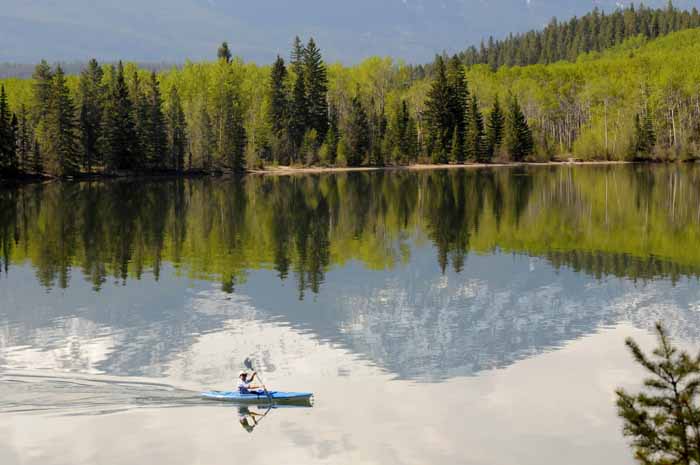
628	221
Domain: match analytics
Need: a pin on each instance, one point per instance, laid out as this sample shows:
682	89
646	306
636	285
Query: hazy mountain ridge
159	30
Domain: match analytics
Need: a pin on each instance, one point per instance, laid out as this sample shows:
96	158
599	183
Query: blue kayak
278	396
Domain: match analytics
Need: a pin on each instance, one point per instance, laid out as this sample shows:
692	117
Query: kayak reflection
249	420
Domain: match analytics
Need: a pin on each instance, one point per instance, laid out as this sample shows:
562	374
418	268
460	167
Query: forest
629	94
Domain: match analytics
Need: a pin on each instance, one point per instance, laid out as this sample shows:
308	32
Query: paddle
249	365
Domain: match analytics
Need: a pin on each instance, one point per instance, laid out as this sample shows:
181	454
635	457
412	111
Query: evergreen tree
279	104
378	125
232	138
299	112
224	53
203	145
7	146
332	137
37	159
177	132
458	102
517	135
494	130
439	118
357	133
91	95
155	142
141	116
118	134
42	78
24	140
475	138
316	86
644	136
663	420
61	150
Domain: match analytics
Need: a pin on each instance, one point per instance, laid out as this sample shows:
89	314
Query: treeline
594	32
636	101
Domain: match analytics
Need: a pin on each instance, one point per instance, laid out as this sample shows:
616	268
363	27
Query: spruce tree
37	158
118	134
332	137
316	83
91	95
475	137
232	138
156	135
438	114
458	102
279	103
224	53
6	142
42	78
357	133
517	135
494	130
24	140
141	116
299	114
61	150
177	132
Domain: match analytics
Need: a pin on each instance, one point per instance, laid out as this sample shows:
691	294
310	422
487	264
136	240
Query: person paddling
245	386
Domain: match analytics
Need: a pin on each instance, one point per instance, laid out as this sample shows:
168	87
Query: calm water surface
453	317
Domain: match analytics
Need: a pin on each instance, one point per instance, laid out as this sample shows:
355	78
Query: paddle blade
248	363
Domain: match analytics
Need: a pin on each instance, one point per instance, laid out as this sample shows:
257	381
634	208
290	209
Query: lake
464	316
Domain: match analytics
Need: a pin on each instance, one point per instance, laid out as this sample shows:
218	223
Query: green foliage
8	135
118	136
475	142
438	114
177	135
61	150
518	141
357	134
91	96
593	32
494	131
664	420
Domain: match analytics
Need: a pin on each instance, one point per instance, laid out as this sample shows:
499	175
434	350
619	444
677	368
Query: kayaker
245	386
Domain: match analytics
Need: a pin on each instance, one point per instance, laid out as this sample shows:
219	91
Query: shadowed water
498	300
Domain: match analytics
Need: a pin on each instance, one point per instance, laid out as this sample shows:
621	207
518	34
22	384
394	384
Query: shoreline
289	170
299	170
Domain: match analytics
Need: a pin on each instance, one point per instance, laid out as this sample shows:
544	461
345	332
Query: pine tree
357	135
91	95
475	137
644	136
61	150
232	137
177	132
662	420
518	139
155	143
494	130
438	115
332	137
316	84
118	134
224	53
